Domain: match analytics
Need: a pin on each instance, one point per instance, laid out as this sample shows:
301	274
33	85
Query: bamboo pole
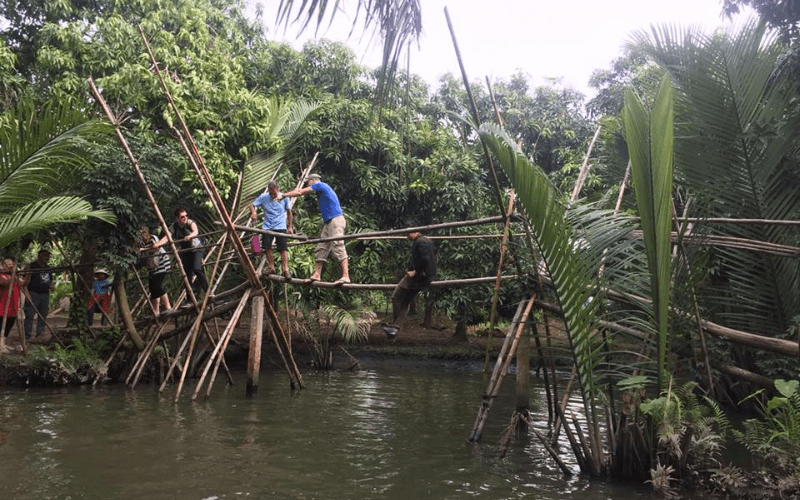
732	242
495	295
567	472
576	190
24	292
778	346
199	323
501	368
372	234
475	116
219	349
386	286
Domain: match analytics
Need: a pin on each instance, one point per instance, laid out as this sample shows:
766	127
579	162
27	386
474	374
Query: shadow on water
376	434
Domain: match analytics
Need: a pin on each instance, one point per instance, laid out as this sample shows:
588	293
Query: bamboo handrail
402	231
732	242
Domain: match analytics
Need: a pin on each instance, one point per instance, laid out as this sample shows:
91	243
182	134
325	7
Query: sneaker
391	332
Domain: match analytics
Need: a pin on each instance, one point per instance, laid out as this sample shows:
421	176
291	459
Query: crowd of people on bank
35	282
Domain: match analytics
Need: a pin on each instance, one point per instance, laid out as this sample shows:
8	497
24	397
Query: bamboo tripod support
204	177
196	159
501	365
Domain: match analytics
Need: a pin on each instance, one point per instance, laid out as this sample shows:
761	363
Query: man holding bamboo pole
333	224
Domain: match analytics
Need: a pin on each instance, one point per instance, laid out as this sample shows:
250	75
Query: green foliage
571	274
650	142
775	437
78	362
736	122
352	325
43	150
396	21
690	433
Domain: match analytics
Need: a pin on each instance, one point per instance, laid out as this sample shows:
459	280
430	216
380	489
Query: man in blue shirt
333	225
277	218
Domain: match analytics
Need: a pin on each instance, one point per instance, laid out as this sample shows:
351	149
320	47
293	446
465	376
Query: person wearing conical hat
98	302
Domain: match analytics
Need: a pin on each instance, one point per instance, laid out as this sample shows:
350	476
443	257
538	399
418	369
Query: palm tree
41	150
736	125
396	21
649	135
572	243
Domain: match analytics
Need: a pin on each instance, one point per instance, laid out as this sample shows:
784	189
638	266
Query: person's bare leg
317	270
165	302
345	269
270	262
156	303
285	261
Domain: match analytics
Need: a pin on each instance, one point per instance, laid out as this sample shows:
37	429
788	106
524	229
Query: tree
782	14
397	21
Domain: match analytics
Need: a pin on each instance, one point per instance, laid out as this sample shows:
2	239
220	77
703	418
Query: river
385	433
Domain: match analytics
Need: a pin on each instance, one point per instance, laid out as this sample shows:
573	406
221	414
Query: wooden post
254	356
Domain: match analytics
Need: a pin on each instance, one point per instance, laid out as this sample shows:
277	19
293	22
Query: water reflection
389	434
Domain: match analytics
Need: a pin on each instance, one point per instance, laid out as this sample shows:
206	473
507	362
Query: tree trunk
83	285
125	312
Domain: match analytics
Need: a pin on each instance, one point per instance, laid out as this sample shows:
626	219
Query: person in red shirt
9	299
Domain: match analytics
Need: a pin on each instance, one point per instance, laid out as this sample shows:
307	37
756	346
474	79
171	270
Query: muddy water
389	433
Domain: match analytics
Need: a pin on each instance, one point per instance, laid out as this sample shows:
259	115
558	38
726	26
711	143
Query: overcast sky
565	39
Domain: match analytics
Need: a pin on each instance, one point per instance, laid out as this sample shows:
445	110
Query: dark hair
181	209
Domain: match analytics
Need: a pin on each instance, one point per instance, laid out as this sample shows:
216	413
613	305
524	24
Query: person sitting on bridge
421	272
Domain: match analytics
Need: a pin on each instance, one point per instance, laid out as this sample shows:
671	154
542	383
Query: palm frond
44	213
650	138
284	126
352	326
571	276
42	149
396	21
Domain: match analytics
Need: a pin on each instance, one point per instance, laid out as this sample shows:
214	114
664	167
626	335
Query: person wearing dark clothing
40	284
185	234
422	271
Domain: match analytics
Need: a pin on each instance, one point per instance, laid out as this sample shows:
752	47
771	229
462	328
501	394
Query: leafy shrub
775	437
